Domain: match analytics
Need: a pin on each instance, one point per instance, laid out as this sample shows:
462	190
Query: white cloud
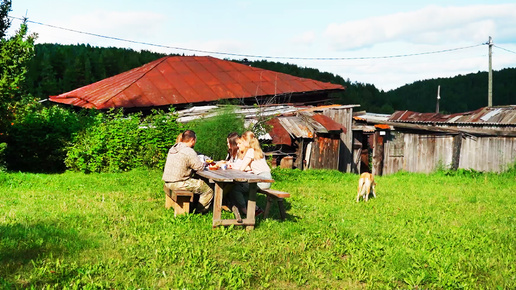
430	25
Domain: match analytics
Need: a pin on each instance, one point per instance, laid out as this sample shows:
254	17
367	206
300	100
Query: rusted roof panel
278	133
328	123
505	115
177	80
296	127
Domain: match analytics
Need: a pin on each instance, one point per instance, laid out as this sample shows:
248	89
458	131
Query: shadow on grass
261	201
22	247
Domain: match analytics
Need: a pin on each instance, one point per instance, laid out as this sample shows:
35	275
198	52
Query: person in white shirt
253	160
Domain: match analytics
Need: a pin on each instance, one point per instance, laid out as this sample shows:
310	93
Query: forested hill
461	93
56	69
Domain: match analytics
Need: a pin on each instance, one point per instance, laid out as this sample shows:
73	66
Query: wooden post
457	144
378	154
182	205
251	206
217	205
490	75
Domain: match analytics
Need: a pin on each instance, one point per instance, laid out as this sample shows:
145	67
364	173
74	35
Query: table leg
217	205
251	206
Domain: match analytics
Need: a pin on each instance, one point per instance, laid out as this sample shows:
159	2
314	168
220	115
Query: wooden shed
482	140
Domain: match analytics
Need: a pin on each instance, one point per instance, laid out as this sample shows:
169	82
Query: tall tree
15	51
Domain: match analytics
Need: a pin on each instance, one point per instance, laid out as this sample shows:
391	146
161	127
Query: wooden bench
179	199
274	195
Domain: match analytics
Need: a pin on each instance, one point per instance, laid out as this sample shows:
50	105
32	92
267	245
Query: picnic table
222	178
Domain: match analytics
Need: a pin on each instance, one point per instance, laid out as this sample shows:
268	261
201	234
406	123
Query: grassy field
94	231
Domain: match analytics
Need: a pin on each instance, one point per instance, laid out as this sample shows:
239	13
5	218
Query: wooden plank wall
421	153
325	152
492	154
427	152
344	116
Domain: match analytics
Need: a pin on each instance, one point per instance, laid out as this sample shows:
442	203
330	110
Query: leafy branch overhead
15	52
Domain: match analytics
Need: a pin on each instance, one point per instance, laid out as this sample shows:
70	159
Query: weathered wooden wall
417	152
325	152
414	152
487	153
344	116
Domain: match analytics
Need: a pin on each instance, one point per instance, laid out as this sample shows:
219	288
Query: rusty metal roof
301	125
504	115
329	124
177	80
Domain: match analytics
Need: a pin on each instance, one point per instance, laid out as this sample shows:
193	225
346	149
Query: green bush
3	146
38	137
212	132
118	142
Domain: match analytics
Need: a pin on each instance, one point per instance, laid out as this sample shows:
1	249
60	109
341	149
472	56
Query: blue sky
360	40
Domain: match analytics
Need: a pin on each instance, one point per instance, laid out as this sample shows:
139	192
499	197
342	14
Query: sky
384	43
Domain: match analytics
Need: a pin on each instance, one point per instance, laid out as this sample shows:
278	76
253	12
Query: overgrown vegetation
38	137
212	131
118	142
15	52
111	231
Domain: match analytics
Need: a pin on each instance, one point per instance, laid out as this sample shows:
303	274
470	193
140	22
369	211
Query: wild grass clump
110	230
212	131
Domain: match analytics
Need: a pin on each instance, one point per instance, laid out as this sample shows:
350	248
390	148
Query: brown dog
366	185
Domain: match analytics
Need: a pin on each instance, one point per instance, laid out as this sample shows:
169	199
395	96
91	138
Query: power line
504	49
248	55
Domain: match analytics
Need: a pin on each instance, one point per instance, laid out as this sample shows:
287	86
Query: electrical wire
250	55
504	49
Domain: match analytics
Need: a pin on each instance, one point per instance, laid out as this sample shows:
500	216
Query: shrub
3	146
38	137
118	142
212	132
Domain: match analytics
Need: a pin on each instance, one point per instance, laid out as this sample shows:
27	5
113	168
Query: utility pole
438	98
490	81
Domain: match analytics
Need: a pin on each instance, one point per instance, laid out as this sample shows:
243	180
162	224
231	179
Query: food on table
213	166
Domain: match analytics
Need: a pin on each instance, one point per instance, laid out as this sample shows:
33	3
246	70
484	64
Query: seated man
182	162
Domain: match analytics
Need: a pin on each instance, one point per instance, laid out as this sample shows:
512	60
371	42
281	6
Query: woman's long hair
233	148
255	144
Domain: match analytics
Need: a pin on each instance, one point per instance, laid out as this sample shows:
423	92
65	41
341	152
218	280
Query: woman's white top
235	161
257	166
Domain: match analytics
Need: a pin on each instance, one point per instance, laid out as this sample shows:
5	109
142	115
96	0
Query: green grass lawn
95	231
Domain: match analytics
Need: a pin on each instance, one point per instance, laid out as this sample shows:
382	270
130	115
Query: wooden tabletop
232	175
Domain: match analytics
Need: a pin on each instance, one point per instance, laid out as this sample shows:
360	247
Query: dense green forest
56	69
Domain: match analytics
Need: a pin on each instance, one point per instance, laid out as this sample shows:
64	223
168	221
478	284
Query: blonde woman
254	159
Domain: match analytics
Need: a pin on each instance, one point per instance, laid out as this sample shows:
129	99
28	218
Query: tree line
57	68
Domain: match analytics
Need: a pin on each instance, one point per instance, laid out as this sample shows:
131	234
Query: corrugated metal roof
372	117
329	124
505	115
177	80
278	133
302	126
296	127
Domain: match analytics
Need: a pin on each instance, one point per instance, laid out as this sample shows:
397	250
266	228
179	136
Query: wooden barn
482	140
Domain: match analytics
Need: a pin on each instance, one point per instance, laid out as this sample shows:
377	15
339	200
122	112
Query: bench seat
180	200
274	195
